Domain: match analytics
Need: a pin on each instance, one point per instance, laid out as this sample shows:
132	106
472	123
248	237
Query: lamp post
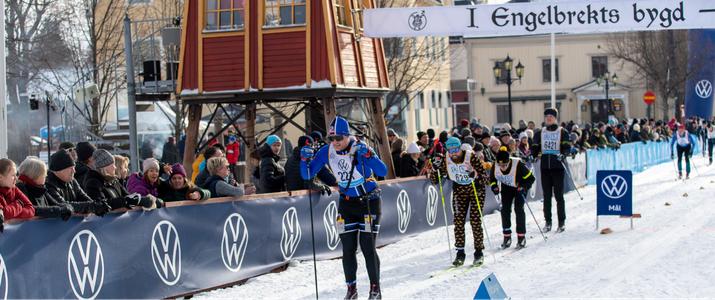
607	80
506	67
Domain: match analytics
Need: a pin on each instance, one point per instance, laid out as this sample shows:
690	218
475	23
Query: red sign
649	97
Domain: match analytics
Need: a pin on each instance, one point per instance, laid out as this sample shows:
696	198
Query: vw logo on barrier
330	217
234	242
166	252
417	20
4	283
432	205
85	265
704	88
614	186
404	211
291	233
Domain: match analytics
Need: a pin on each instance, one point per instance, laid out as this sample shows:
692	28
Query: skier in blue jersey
355	166
685	143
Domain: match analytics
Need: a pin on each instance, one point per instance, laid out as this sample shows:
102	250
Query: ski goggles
453	150
336	138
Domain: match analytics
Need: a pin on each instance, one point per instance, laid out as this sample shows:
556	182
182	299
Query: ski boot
547	227
561	229
478	258
680	175
506	243
521	242
687	176
459	260
352	293
375	293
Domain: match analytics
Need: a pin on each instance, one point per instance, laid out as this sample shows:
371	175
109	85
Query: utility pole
131	95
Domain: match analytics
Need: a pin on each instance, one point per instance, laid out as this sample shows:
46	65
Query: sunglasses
336	138
453	150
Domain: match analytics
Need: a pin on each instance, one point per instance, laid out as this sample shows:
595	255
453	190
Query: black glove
159	203
436	162
100	208
495	189
147	202
65	212
324	189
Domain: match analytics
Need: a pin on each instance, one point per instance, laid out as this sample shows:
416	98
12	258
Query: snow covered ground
668	254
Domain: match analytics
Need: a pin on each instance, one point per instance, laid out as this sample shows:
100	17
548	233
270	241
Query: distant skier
467	173
685	143
354	165
711	141
553	144
515	179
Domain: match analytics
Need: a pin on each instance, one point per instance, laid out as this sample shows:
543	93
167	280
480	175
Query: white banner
540	18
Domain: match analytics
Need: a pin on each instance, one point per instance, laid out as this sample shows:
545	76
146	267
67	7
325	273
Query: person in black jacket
64	188
210	152
102	185
179	188
515	178
553	144
272	174
410	161
294	181
33	174
170	153
84	160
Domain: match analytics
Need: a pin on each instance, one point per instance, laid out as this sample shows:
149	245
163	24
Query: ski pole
533	216
571	177
481	216
677	171
312	230
444	212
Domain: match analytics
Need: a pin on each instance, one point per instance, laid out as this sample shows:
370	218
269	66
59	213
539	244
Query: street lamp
506	66
607	80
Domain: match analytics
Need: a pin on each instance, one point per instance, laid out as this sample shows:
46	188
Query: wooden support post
250	135
377	119
218	124
329	112
192	133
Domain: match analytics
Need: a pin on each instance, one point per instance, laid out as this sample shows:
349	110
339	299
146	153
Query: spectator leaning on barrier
145	183
84	160
272	174
203	175
102	185
13	203
410	161
65	189
33	174
122	172
218	183
179	188
396	149
295	182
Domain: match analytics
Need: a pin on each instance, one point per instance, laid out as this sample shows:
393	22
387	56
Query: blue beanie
272	139
452	143
339	126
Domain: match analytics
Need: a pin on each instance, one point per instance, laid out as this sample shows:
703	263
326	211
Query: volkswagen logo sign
704	89
404	211
234	242
291	233
344	165
417	20
614	186
432	205
85	265
166	252
330	216
4	284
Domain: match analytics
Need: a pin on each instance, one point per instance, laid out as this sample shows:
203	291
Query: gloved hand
159	203
306	153
148	203
65	212
495	189
436	162
324	189
362	150
100	208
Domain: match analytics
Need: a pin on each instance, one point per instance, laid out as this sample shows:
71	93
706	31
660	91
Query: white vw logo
166	252
704	88
291	233
3	277
85	265
404	211
432	205
330	216
614	186
234	242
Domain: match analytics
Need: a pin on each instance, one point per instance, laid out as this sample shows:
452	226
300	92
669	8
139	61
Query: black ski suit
523	178
552	169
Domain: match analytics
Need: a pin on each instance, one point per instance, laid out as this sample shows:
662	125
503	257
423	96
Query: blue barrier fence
632	156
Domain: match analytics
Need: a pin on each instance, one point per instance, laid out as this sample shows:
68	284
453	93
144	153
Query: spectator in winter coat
391	136
13	203
271	174
64	188
122	172
33	174
410	161
102	185
179	188
217	183
295	182
203	174
523	150
147	182
170	152
396	149
232	153
84	160
636	133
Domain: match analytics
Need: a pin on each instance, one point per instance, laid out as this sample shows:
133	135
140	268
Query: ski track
668	254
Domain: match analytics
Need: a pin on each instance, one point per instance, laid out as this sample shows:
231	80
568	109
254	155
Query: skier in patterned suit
466	171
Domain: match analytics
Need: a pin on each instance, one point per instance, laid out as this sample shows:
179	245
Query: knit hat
469	140
443	136
464	122
304	141
452	143
272	139
504	134
503	155
413	148
66	145
339	126
102	158
551	111
523	135
85	151
60	160
529	133
178	169
150	163
465	132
